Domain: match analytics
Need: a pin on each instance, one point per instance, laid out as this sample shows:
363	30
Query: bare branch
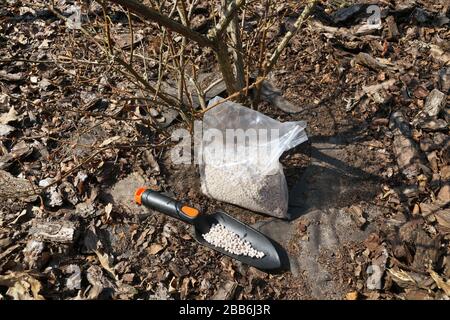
217	31
164	97
225	67
234	95
130	25
288	36
235	35
151	14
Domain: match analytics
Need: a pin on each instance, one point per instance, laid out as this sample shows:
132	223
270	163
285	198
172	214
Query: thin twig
130	24
151	14
198	88
288	36
171	102
234	95
107	29
217	31
283	44
181	7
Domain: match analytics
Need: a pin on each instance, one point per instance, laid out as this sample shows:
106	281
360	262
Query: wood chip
56	231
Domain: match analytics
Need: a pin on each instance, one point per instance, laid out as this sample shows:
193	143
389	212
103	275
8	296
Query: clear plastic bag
240	154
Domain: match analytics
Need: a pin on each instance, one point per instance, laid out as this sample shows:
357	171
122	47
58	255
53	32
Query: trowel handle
164	204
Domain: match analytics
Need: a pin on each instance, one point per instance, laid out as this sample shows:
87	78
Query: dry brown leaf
441	283
104	261
155	248
402	278
125	291
108	210
351	295
20	285
124	40
184	288
439	54
443	219
8	117
6	129
109	141
173	285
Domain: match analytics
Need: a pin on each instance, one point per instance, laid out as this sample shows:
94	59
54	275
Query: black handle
166	205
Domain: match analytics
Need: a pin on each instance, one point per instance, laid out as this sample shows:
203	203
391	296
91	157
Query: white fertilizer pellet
261	193
226	239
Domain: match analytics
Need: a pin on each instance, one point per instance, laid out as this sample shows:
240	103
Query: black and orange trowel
274	258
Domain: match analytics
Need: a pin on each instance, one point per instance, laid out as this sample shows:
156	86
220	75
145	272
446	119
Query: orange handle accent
189	211
138	195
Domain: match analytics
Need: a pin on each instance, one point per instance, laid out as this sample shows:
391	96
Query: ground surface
369	192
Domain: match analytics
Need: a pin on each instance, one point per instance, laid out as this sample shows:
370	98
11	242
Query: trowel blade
274	258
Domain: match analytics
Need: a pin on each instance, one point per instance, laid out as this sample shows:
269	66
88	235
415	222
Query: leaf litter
60	122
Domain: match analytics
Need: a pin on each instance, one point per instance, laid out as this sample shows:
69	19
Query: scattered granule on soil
226	239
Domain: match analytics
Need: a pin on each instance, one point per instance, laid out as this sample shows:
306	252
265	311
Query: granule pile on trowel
226	239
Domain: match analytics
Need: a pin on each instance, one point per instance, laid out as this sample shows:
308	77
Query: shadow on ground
327	187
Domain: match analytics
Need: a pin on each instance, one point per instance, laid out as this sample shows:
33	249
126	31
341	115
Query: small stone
151	161
53	196
10	116
44	83
62	231
357	215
